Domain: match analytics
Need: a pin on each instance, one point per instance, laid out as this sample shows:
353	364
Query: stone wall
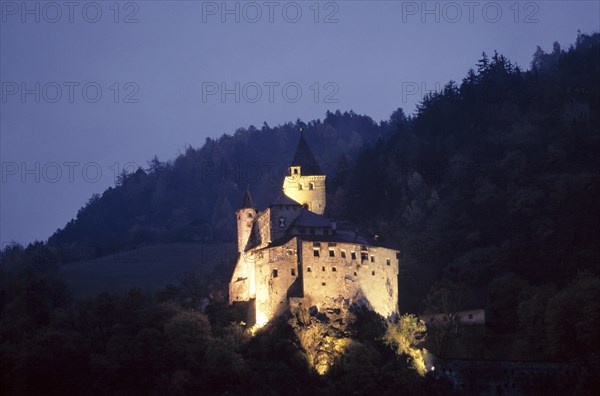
277	276
282	216
311	193
333	272
242	284
245	219
261	230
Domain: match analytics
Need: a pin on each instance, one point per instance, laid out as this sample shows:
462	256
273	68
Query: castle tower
245	217
305	182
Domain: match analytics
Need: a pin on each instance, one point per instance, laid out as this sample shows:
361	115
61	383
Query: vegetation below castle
490	191
140	344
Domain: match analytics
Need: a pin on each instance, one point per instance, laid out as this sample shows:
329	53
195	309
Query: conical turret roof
247	201
305	159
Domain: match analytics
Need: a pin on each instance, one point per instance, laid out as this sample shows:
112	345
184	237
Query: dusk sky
91	88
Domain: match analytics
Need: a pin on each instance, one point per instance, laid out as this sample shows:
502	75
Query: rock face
290	254
324	336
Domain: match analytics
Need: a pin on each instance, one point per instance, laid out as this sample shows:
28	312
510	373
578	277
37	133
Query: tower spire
247	202
305	158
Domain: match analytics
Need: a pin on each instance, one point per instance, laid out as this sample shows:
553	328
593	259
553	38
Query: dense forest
491	191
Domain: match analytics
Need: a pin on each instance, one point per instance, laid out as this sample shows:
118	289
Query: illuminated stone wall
277	277
245	219
330	277
261	230
309	190
242	286
327	279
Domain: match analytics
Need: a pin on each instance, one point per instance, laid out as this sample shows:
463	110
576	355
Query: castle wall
242	284
245	218
277	277
261	230
329	277
281	219
312	192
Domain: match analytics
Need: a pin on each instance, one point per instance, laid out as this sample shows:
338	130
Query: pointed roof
310	219
247	201
305	158
284	200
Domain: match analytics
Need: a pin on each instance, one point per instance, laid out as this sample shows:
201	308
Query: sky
91	88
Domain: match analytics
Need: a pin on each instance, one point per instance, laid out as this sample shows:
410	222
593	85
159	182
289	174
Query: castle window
308	269
322	283
373	273
364	257
331	253
249	214
316	252
333	269
387	261
372	259
343	253
300	186
311	186
353	255
354	273
323	269
275	273
293	272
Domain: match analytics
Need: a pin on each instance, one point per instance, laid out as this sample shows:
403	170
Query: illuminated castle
291	253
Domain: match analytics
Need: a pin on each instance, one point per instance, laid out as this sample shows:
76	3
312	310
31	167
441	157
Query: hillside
149	268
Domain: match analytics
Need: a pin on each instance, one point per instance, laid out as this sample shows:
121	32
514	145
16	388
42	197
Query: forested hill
194	197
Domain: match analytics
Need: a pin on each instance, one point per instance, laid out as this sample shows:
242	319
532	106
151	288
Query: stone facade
290	252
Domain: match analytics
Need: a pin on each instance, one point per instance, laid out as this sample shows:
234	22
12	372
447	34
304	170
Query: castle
291	253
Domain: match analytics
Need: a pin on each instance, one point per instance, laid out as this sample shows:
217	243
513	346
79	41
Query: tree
483	64
405	336
154	165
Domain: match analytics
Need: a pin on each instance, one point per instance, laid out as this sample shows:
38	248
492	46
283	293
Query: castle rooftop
284	200
247	201
305	159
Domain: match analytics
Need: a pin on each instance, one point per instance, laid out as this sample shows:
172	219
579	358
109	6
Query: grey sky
159	78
